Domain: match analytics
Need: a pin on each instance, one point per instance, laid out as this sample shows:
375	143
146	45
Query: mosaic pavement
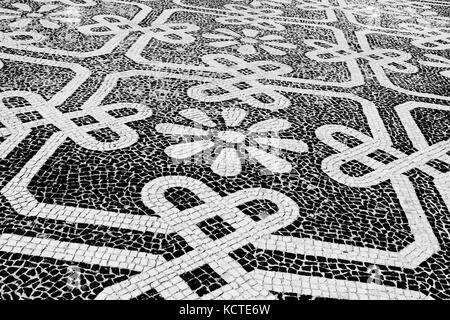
226	149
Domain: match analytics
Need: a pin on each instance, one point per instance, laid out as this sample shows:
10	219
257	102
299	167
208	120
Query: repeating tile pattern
227	149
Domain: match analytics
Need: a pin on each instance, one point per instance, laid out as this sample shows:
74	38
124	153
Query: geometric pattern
229	149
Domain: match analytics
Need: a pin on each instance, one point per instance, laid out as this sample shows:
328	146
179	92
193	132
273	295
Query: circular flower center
231	136
249	40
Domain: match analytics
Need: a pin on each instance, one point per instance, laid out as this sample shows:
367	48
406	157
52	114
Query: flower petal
271	37
20	24
198	116
69	20
228	32
233	116
217	36
227	163
8	17
251	33
247	49
272	50
176	129
186	150
428	13
49	24
271	162
66	12
285	144
47	8
270	125
8	14
256	3
223	44
22	7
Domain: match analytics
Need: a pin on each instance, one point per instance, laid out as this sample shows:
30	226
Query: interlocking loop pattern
206	250
400	163
245	84
174	33
393	60
255	17
15	129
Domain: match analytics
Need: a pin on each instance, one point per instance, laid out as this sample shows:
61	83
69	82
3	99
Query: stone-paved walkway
226	149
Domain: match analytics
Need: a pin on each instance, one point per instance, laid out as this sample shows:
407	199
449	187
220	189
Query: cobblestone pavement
226	149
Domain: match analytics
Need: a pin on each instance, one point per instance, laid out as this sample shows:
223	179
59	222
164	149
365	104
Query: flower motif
46	15
230	143
248	41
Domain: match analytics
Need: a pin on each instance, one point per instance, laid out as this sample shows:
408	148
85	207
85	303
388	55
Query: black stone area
203	280
29	277
258	209
215	227
308	142
151	295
